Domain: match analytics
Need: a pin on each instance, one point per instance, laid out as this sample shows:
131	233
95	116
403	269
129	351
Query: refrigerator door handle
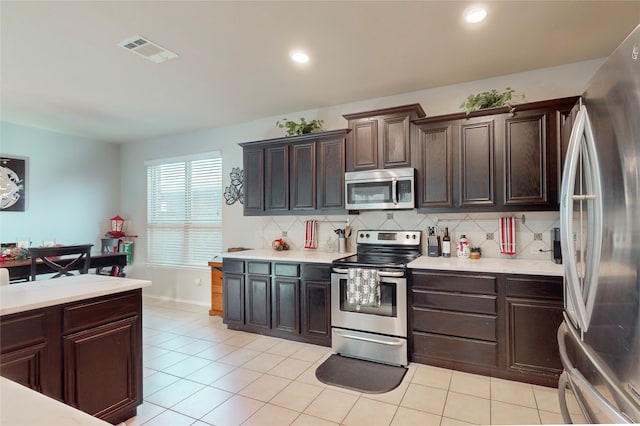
582	141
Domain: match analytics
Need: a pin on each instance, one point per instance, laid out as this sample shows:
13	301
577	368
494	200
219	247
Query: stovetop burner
384	249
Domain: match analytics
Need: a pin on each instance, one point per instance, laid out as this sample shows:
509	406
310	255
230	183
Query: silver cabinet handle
394	191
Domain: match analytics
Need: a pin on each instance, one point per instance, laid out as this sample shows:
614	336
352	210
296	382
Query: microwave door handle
394	191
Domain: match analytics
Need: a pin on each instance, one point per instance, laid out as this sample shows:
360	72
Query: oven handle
398	274
367	339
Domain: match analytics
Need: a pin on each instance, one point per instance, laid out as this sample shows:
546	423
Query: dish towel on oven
363	288
310	235
508	235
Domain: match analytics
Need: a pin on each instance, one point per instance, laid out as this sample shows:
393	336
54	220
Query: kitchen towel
310	235
363	288
508	235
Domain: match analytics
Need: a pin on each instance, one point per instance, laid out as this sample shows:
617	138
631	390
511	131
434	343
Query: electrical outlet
389	216
489	235
198	282
537	236
284	233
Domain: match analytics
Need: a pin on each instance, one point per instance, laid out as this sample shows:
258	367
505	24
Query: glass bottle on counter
446	243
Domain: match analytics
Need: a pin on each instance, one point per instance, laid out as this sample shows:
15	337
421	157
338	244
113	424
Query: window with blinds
184	210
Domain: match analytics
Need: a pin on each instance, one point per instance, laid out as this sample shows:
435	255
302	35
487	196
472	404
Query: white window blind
184	210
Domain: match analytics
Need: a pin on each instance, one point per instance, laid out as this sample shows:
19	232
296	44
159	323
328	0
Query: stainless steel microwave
380	189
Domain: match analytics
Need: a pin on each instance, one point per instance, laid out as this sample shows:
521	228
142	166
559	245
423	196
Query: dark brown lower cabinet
533	314
491	324
87	354
283	299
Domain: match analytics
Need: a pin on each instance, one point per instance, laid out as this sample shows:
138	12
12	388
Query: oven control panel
389	237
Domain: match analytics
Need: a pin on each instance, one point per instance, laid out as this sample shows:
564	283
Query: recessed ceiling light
299	56
474	15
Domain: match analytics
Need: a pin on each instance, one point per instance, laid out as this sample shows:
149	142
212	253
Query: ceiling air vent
147	49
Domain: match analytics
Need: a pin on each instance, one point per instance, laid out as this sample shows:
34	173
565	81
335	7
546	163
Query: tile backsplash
481	229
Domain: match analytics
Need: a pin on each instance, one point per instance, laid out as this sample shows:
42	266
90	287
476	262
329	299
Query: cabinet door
362	145
107	358
233	298
434	166
526	159
395	146
286	304
303	176
476	150
277	178
533	309
331	170
532	344
258	301
30	350
253	186
316	311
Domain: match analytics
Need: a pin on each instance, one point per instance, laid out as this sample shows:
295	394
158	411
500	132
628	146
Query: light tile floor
196	372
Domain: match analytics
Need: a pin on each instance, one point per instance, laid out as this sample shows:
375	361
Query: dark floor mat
360	375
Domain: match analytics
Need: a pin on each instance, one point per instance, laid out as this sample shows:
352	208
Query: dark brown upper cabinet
382	138
295	175
490	161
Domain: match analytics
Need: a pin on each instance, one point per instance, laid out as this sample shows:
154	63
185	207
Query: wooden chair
60	260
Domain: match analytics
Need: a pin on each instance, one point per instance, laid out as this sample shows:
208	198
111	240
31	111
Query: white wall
72	184
557	82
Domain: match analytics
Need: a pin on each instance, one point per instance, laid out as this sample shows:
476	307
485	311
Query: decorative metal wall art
12	184
235	191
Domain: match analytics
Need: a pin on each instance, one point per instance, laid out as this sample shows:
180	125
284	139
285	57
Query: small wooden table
216	288
21	269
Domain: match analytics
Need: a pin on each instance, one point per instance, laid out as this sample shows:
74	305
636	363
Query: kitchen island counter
491	265
310	256
30	295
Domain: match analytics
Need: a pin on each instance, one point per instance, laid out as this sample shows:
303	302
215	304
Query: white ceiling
62	70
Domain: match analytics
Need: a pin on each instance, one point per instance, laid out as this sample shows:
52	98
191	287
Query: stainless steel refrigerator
599	339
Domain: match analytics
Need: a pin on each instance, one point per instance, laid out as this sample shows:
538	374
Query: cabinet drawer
454	301
456	349
95	312
234	266
286	269
260	268
320	272
22	330
535	287
478	284
474	326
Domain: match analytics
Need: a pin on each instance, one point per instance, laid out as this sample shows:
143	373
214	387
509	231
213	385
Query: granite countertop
30	295
494	265
311	256
23	406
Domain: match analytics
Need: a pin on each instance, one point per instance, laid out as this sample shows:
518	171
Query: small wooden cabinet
282	299
295	175
87	354
382	138
216	288
489	161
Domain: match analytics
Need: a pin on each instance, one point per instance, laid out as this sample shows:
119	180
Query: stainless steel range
369	297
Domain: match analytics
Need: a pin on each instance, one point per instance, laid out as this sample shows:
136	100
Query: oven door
389	319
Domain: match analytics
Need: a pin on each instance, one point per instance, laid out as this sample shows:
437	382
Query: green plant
301	128
475	250
490	99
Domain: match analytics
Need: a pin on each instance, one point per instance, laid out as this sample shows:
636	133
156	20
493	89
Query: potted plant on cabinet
301	128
